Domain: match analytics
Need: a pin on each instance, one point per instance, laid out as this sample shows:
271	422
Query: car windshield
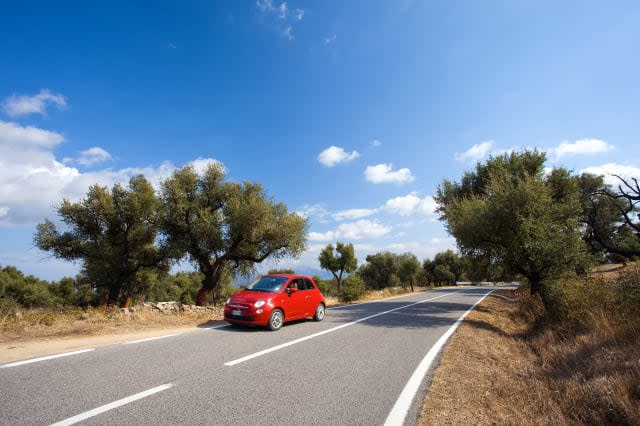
267	284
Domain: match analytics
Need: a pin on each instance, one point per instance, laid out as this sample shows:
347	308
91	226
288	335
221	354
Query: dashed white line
115	404
45	358
311	336
150	339
400	409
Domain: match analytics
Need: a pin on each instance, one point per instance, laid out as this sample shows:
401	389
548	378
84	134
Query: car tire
320	312
276	320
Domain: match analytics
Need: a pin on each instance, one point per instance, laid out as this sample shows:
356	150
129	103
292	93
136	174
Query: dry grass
507	364
36	324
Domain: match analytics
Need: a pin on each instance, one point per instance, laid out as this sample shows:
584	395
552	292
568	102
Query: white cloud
33	181
315	211
265	5
411	204
353	214
423	249
383	173
375	143
352	231
93	156
21	105
288	32
610	169
475	153
580	147
335	155
14	136
330	39
299	14
200	164
282	10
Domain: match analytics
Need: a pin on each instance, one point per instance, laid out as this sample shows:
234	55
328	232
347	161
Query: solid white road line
149	339
216	327
311	336
45	358
119	403
400	409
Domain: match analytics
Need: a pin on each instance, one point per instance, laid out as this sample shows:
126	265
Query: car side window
297	283
308	285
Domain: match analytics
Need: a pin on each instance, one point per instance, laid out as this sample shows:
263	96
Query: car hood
250	296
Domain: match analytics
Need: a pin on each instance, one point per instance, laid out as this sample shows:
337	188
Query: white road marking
311	336
400	409
104	408
149	339
215	327
45	358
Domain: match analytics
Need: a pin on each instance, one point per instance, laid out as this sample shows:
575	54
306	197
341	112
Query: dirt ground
34	343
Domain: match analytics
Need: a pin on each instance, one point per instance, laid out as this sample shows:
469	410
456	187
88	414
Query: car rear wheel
276	320
319	316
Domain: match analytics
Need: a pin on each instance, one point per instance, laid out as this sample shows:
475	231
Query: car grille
240	317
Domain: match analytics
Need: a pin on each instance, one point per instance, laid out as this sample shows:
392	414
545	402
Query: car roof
287	276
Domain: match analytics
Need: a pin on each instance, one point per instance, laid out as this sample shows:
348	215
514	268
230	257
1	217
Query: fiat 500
272	300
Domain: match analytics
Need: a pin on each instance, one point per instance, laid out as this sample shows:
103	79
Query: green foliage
353	289
225	226
113	233
608	228
27	291
8	306
327	287
446	268
408	269
571	301
378	271
281	271
509	213
342	261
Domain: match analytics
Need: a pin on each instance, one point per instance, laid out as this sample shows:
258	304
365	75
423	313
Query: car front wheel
276	320
319	316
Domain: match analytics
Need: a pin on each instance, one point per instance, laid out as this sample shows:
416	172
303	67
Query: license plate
236	313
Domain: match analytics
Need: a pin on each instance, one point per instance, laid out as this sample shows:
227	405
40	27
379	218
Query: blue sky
349	112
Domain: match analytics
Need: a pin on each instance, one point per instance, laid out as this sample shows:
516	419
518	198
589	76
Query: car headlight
228	300
259	303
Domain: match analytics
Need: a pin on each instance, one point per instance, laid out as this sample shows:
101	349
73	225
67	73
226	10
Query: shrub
352	289
8	306
326	286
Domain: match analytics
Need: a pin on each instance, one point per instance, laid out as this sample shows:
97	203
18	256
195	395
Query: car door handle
308	297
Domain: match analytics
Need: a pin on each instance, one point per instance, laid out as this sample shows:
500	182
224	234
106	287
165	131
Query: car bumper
248	318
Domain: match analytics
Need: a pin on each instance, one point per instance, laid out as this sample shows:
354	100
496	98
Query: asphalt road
349	369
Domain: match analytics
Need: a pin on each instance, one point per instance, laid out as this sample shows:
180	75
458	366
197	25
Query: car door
294	299
309	300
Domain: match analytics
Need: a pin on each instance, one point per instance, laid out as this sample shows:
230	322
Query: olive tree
113	233
342	259
223	225
508	211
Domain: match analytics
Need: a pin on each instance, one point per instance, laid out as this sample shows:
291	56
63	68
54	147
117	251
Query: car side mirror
291	290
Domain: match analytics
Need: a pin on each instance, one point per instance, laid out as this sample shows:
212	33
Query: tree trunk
210	281
201	298
114	293
126	302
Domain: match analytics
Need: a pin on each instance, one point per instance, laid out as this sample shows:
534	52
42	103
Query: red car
272	300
